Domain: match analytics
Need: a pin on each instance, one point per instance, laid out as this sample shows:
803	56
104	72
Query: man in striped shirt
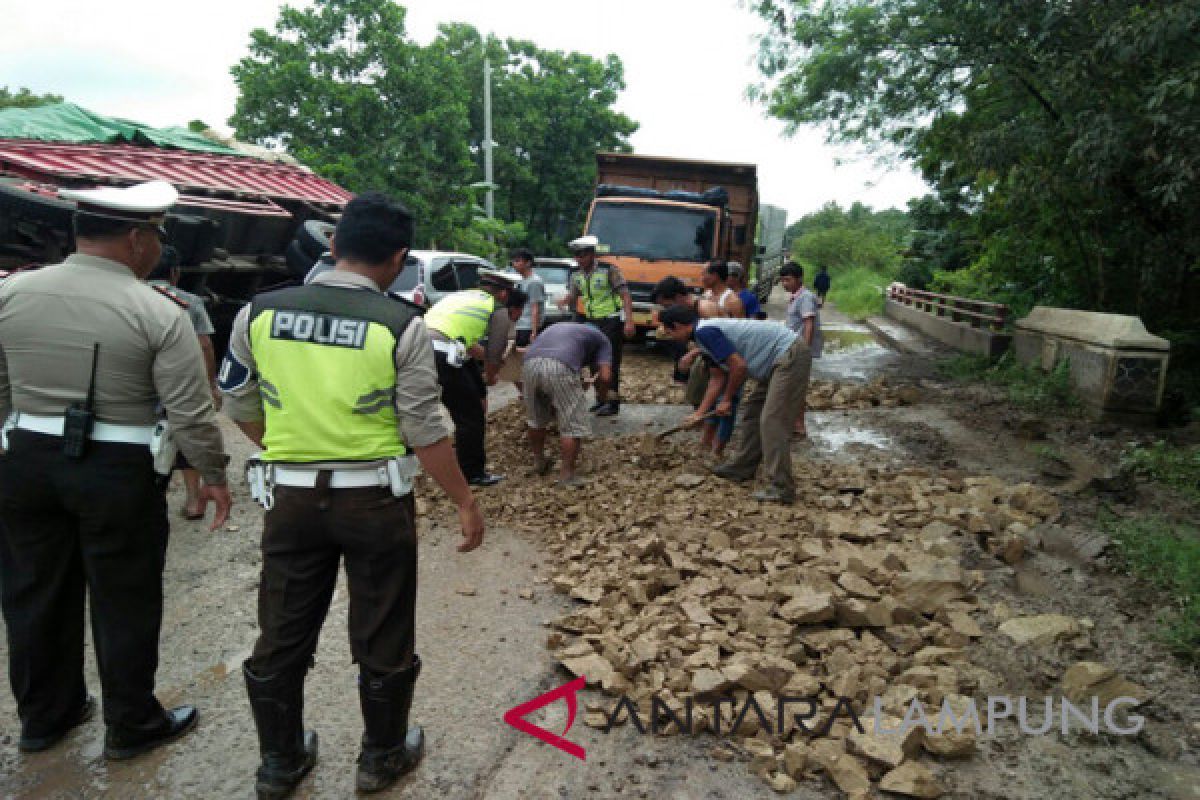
553	387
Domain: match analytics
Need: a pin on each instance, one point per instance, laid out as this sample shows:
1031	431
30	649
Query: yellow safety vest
599	298
462	315
327	372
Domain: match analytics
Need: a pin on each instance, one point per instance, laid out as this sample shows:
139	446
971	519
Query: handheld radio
79	417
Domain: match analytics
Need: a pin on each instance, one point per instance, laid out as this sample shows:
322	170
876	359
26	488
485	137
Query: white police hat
588	242
145	202
497	277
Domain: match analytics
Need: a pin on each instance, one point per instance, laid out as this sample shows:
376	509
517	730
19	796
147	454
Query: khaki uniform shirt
49	321
422	418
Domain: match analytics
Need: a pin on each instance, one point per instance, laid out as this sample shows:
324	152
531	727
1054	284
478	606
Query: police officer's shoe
36	744
596	406
122	741
485	479
390	746
288	751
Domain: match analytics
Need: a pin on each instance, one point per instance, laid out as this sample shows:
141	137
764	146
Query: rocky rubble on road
687	589
646	379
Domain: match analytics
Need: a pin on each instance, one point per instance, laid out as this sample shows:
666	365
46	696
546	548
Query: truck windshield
654	231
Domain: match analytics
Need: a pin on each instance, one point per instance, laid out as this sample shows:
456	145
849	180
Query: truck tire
193	236
36	225
298	261
18	203
313	237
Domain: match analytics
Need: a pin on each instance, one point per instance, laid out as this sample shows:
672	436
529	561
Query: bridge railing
976	313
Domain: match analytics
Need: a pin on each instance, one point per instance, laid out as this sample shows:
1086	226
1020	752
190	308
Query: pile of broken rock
690	591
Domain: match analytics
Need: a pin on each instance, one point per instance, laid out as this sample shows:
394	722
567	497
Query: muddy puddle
835	435
851	354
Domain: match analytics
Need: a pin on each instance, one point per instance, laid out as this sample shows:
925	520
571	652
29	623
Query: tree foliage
23	98
342	87
1062	138
551	113
838	239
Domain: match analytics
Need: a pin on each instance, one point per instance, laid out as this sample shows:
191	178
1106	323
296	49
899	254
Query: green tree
342	88
23	98
1067	130
551	113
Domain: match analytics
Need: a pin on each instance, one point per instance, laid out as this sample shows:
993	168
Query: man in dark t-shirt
554	388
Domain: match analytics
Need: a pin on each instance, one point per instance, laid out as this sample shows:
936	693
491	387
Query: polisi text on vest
303	326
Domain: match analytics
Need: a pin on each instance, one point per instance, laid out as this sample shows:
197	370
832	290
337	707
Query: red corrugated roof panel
196	173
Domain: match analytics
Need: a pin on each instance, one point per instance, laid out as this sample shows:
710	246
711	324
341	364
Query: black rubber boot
288	751
390	746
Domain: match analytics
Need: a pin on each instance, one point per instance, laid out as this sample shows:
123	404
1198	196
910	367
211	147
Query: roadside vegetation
861	249
1176	467
1028	388
1061	156
1167	556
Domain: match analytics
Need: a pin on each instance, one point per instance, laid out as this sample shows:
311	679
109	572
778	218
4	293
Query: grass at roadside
857	292
1027	387
1176	467
1167	556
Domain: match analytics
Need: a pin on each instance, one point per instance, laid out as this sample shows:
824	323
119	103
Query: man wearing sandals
554	388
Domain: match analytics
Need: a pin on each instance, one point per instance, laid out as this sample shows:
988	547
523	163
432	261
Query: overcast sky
687	65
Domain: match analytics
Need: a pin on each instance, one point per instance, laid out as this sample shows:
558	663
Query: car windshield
654	231
407	279
553	274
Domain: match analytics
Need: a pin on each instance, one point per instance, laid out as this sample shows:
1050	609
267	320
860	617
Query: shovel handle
686	425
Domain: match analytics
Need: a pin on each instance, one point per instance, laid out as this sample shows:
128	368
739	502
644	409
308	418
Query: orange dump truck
669	216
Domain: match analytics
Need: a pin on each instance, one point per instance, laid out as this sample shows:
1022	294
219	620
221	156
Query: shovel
683	426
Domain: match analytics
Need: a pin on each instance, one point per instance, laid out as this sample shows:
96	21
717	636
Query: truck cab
656	217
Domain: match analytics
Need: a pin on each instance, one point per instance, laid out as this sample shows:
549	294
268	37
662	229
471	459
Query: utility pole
487	137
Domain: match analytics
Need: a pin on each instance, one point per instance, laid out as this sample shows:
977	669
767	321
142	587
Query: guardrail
979	313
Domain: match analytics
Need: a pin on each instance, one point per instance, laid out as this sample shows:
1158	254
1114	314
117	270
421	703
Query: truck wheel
193	236
298	261
314	236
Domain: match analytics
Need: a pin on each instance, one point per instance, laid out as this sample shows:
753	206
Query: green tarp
68	123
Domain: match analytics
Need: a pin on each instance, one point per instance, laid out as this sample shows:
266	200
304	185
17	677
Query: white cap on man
145	203
588	242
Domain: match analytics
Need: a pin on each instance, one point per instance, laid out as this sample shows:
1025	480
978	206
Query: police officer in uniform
87	353
607	304
458	323
336	381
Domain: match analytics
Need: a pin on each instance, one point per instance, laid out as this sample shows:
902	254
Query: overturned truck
246	220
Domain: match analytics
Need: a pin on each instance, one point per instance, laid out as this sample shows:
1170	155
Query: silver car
428	275
555	274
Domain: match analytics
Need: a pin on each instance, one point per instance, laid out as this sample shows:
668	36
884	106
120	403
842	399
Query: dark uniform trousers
305	536
463	393
614	330
99	522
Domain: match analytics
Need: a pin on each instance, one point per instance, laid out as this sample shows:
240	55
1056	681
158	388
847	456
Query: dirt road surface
483	628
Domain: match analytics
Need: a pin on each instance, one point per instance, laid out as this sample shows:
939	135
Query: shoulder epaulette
169	293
